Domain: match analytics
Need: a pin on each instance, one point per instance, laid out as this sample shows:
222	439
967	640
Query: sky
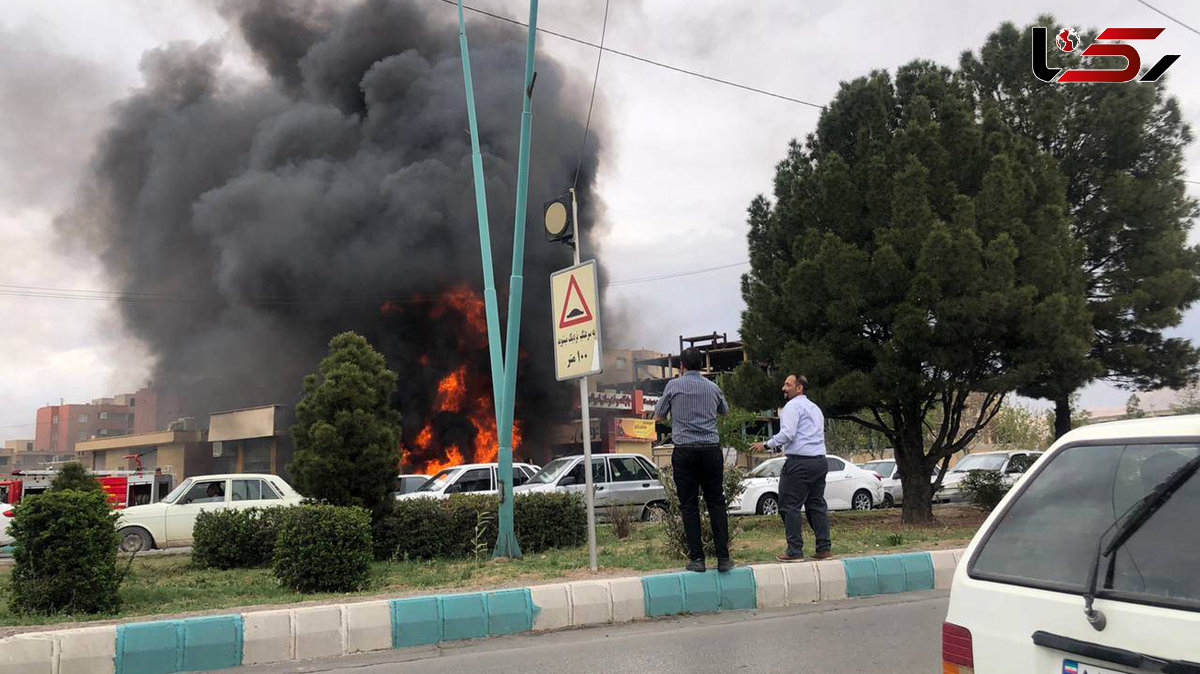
684	155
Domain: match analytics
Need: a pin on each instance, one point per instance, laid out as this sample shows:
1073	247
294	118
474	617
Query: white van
1091	563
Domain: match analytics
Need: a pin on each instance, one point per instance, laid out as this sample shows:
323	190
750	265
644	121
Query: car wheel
134	539
888	501
654	512
861	500
768	505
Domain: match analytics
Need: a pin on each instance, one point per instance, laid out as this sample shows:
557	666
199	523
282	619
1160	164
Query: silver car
619	480
1010	464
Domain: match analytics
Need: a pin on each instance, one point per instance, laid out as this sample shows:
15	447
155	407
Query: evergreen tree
917	252
75	476
347	435
1120	150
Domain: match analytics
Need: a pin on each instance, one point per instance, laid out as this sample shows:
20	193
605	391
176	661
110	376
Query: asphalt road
899	634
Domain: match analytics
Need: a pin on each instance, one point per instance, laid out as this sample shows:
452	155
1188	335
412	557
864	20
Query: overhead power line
1169	16
39	292
634	57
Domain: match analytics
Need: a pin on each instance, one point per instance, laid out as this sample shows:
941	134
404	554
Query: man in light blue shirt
801	436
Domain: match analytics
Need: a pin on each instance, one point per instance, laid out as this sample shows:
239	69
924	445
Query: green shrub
983	488
734	484
235	539
469	520
549	520
410	529
65	554
464	525
74	475
323	548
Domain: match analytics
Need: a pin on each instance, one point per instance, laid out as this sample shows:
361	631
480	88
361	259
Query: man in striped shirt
697	462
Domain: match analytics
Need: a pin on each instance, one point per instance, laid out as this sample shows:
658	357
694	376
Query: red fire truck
124	487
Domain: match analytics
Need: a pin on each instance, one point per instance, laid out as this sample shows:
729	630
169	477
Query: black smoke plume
249	220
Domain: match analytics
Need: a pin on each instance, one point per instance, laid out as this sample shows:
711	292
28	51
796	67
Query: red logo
1066	40
1106	44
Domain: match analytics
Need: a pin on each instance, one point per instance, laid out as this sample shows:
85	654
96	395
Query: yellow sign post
575	312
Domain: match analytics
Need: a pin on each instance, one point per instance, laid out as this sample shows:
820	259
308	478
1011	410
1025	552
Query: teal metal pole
506	543
485	235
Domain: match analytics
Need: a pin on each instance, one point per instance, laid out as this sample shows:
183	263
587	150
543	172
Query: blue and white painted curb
219	642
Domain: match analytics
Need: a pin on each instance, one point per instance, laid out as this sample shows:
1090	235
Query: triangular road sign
574	312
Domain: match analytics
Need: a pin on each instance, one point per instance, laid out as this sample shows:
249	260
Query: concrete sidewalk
306	633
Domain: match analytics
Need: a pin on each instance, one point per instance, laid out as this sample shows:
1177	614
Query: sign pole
589	494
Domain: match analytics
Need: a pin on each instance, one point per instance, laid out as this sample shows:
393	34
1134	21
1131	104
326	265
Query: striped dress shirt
693	403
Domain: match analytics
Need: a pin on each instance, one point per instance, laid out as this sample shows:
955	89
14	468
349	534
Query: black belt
699	445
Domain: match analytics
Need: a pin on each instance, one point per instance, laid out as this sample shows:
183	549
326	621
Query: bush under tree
65	554
323	548
984	489
236	539
347	435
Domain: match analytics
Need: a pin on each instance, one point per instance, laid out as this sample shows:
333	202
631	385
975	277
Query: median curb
261	637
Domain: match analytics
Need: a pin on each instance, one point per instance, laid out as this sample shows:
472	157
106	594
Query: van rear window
1048	536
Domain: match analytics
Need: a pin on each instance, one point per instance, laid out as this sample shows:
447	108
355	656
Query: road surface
900	634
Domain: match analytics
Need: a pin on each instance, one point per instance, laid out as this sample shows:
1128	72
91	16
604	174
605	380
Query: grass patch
170	585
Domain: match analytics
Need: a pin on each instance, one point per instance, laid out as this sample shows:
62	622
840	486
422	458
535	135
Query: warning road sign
575	310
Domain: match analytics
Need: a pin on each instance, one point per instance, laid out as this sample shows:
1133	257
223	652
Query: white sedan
847	487
5	519
169	523
472	478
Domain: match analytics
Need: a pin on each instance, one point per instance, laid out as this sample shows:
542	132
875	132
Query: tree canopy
917	252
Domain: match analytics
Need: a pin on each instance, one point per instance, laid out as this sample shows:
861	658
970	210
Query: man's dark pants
699	468
802	483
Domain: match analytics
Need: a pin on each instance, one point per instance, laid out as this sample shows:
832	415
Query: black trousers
802	483
699	468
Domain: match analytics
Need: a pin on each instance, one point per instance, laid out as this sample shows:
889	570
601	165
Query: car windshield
552	471
979	462
175	493
437	482
884	468
767	469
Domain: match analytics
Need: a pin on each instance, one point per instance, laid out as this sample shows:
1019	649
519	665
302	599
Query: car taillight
957	653
9	513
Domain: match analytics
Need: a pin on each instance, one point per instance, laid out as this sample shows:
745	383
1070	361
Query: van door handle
646	485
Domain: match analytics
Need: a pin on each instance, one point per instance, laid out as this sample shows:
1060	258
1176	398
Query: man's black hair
692	359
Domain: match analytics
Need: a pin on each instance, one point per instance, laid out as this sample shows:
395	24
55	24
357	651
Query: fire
462	391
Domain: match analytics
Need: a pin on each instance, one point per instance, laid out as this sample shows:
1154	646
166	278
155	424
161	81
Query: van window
1048	536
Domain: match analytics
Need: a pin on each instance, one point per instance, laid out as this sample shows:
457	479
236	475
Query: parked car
847	487
169	523
472	478
1089	563
619	480
5	519
407	484
889	472
1010	464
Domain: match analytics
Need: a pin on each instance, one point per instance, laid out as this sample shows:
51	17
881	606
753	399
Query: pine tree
1120	151
346	432
917	254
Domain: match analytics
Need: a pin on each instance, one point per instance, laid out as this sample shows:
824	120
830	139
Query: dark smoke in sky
253	220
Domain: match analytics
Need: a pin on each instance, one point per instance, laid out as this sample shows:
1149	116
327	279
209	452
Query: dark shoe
725	564
696	565
824	554
789	558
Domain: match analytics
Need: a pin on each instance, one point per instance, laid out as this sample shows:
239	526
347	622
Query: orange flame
454	391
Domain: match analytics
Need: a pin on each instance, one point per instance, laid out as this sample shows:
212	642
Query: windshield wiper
1137	515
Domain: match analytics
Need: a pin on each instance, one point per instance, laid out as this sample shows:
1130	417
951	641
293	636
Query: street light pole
589	494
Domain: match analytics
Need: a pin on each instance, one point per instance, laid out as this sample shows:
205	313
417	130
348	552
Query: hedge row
464	525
